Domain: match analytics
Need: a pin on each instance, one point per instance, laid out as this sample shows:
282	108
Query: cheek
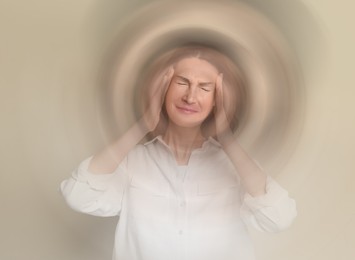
168	97
169	101
209	102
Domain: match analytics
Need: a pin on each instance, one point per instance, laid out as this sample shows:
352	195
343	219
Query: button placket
181	204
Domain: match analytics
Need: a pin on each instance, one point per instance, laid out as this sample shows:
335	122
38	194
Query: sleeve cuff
98	182
274	193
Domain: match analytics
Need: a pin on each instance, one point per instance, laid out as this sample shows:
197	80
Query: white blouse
167	211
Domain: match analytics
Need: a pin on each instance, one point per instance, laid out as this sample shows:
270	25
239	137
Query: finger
170	72
219	79
164	86
160	82
219	90
159	88
167	79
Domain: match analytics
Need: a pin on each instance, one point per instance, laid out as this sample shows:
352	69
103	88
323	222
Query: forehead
195	67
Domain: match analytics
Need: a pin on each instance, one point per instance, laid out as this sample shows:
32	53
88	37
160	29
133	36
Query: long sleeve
95	194
272	212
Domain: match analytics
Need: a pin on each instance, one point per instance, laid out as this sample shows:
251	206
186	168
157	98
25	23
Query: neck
182	141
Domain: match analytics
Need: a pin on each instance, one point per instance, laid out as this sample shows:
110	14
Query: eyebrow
188	81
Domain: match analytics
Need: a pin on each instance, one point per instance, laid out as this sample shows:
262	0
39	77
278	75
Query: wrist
144	125
225	138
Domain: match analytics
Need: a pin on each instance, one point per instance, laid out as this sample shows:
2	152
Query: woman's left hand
223	108
252	177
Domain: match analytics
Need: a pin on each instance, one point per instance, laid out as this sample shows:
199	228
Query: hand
223	111
157	91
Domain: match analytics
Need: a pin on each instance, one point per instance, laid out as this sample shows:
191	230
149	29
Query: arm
273	212
107	160
266	205
97	186
252	177
95	194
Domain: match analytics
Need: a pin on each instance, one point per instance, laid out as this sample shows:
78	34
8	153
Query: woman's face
190	97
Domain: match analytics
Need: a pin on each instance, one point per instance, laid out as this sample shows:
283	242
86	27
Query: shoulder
214	149
142	151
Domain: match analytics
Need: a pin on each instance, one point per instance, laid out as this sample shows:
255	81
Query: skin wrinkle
187	107
187	110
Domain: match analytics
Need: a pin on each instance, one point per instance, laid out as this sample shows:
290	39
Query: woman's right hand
156	96
108	159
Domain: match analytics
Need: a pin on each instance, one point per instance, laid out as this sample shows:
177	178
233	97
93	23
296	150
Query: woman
190	191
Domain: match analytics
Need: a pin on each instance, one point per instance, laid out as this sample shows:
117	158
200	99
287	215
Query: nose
190	95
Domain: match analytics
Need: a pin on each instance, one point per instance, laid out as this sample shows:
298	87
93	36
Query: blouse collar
210	141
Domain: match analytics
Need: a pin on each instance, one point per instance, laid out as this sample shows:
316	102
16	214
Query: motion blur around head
189	102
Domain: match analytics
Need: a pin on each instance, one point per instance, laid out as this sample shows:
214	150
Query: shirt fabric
166	211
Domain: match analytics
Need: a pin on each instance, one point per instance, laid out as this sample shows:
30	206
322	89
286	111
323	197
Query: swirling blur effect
275	99
69	76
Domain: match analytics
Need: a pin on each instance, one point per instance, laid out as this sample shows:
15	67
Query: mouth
186	110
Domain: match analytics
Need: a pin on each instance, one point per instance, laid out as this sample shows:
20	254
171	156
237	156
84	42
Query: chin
187	123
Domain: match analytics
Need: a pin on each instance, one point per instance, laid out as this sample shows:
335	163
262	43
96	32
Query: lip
186	110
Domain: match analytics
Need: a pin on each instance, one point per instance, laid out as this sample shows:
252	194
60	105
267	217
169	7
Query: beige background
49	58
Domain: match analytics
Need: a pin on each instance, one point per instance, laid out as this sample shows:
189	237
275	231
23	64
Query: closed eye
182	81
208	87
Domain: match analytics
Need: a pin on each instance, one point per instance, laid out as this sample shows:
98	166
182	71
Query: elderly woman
189	192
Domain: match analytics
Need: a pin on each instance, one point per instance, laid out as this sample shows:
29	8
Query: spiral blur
70	75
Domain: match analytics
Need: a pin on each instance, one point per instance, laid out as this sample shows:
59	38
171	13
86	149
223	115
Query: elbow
281	219
90	207
68	193
282	224
81	199
288	215
73	196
